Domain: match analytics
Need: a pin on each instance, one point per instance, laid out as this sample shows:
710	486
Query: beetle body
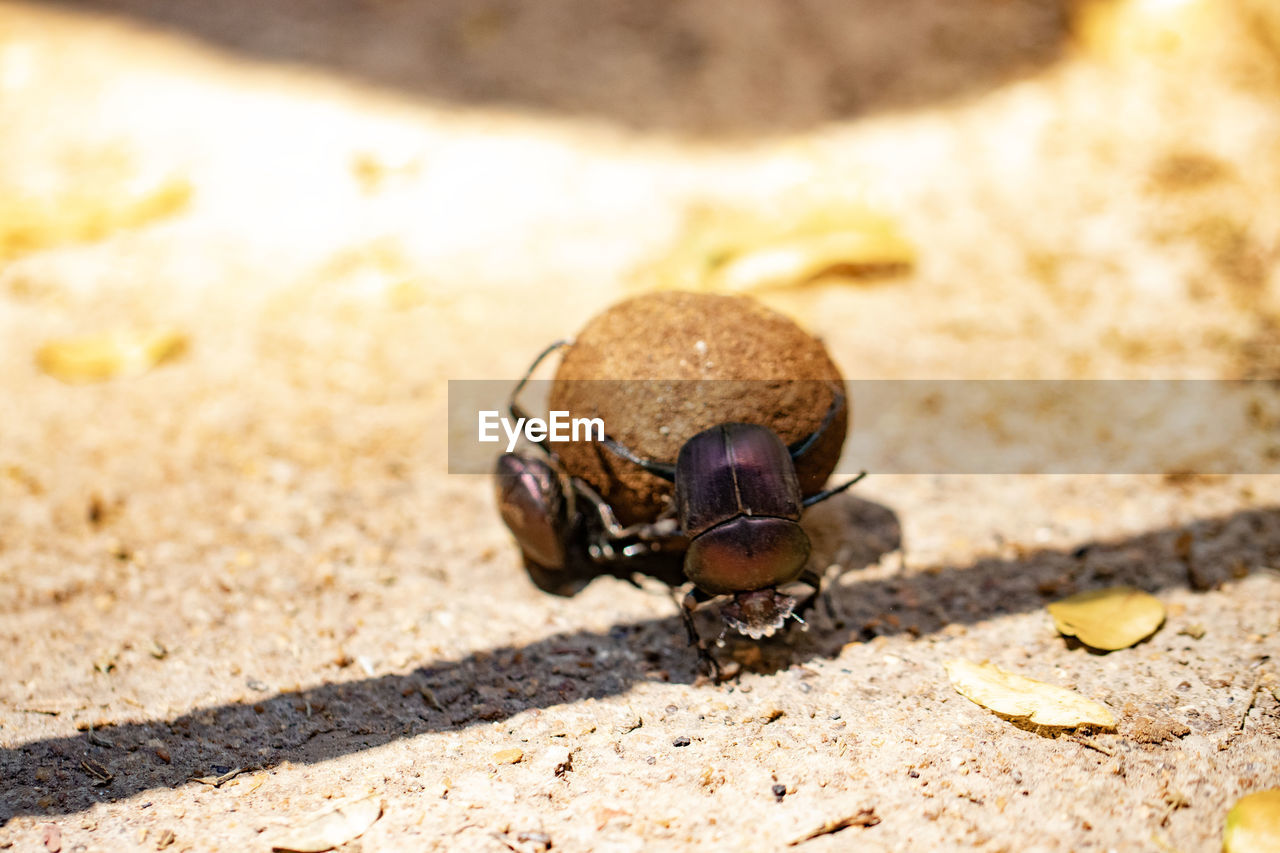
738	501
564	545
531	501
733	528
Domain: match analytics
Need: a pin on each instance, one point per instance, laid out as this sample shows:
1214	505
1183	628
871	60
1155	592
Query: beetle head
759	613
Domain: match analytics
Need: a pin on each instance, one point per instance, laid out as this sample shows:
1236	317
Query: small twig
100	774
429	697
1173	802
1093	744
217	781
319	732
505	843
1253	698
863	818
98	740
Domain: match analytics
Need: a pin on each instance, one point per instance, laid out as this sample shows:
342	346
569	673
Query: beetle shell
747	554
738	498
532	504
731	470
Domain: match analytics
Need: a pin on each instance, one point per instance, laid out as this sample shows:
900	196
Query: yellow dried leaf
803	258
332	828
96	358
1108	619
84	214
373	171
1253	824
1022	698
738	251
407	294
1119	29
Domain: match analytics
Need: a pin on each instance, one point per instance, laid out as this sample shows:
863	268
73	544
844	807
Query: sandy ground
251	559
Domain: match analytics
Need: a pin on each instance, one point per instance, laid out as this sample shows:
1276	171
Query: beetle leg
803	446
654	534
828	493
809	577
608	520
688	603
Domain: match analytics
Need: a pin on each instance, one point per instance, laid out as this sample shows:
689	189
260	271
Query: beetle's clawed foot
759	613
707	664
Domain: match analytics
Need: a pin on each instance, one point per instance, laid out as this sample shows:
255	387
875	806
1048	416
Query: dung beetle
733	528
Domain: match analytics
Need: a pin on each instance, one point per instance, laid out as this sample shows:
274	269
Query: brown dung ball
670	339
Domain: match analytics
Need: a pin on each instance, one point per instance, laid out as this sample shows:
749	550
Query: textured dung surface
254	558
670	361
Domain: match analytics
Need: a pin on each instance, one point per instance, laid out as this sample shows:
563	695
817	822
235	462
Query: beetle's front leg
664	527
688	603
809	577
614	542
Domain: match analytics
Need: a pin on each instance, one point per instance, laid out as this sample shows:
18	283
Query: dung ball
666	366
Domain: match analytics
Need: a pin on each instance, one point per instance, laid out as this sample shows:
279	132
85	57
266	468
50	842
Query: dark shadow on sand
722	68
307	726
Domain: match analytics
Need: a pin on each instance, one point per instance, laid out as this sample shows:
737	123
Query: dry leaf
738	251
1022	698
96	358
89	211
1119	29
373	170
1108	619
1253	824
332	828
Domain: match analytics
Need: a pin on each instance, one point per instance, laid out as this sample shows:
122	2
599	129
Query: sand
241	587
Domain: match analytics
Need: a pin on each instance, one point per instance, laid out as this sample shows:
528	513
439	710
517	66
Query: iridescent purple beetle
733	528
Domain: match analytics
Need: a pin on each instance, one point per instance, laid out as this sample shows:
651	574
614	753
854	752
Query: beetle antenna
822	496
513	405
802	447
665	470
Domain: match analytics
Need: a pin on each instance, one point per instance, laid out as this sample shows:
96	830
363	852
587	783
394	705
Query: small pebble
508	756
555	760
540	838
683	740
779	791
